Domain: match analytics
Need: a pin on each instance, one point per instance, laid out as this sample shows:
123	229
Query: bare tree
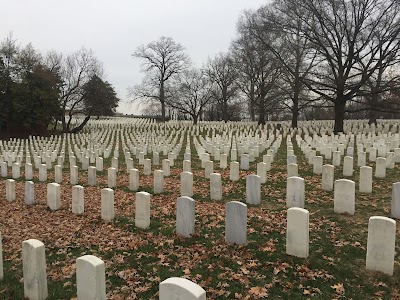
376	95
244	53
222	73
343	34
260	73
193	93
279	33
74	70
8	68
162	61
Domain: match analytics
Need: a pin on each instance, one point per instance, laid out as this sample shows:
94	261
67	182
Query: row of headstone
90	277
335	151
91	270
344	191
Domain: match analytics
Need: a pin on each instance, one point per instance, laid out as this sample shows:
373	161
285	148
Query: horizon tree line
39	90
313	57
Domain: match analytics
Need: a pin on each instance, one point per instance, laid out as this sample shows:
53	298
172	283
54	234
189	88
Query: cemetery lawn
138	260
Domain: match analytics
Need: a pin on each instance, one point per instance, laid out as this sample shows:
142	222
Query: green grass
225	271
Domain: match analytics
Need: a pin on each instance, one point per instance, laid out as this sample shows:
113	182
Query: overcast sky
114	29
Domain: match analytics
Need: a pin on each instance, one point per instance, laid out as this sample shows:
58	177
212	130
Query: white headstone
114	163
158	182
390	161
262	171
372	154
107	204
317	165
129	164
90	278
29	193
292	170
295	190
380	167
381	244
336	158
223	163
1	258
112	177
16	170
180	289
348	166
53	196
3	169
362	159
171	158
215	186
156	158
78	201
297	232
208	168
253	189
365	183
166	167
99	164
291	159
328	177
34	269
73	175
234	155
187	184
10	190
133	180
187	166
92	180
142	212
267	158
236	222
57	174
244	162
395	212
85	163
42	172
185	216
234	171
344	196
28	171
147	167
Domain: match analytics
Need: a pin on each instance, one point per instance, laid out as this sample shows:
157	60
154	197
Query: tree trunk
10	105
252	100
261	117
373	103
69	121
295	111
340	105
64	124
296	93
195	117
225	111
162	100
372	117
80	127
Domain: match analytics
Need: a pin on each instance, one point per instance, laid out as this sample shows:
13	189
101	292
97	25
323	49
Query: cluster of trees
318	57
37	90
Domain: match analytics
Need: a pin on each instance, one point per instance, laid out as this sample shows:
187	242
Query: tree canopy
162	61
36	89
99	98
